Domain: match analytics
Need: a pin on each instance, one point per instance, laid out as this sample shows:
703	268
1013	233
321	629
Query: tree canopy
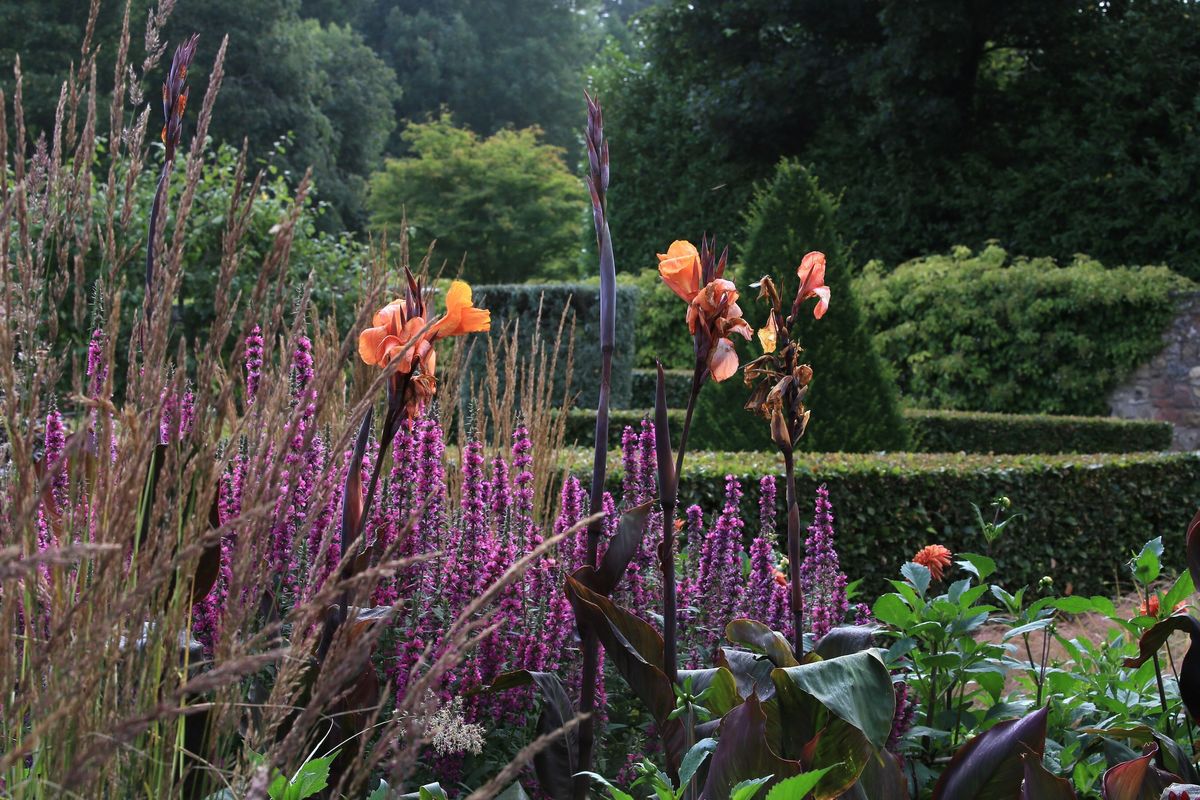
506	205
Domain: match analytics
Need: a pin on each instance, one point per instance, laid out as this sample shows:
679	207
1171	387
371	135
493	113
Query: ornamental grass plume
935	558
164	589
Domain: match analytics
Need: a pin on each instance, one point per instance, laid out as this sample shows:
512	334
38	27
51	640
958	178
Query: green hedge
982	432
581	425
678	384
931	431
983	332
1082	515
520	302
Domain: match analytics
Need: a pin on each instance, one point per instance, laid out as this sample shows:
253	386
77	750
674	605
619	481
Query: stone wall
1168	388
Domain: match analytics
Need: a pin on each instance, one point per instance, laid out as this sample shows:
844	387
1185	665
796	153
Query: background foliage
1027	122
981	432
986	332
505	205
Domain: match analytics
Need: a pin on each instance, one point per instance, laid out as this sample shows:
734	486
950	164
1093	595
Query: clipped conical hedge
853	398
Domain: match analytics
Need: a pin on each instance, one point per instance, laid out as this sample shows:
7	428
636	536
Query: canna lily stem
667	552
793	550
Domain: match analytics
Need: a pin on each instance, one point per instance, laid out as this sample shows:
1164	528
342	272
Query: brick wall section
1168	388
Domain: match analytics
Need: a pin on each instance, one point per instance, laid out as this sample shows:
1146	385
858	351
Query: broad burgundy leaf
882	778
751	671
847	639
555	765
352	497
1138	779
635	649
209	565
621	549
757	636
990	766
1193	549
856	688
1039	784
743	753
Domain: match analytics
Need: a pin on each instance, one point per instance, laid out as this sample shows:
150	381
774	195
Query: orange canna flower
713	314
812	282
680	269
399	330
935	558
461	316
1149	608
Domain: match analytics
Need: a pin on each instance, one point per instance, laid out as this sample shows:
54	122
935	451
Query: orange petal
822	306
384	316
811	271
722	360
461	316
680	269
369	343
767	338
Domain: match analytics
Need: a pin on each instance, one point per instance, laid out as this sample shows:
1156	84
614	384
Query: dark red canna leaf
991	765
1138	779
621	549
1039	784
555	766
1193	548
743	752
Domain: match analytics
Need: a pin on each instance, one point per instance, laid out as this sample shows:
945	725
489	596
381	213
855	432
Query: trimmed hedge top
983	432
984	332
1081	515
931	431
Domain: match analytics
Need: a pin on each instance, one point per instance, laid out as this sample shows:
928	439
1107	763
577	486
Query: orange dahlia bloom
812	282
935	558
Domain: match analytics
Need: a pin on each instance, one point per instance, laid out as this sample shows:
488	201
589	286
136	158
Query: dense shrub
506	206
1080	513
520	303
851	395
986	332
645	381
982	432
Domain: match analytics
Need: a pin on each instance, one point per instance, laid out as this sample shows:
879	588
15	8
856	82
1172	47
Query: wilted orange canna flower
935	558
713	314
812	282
399	330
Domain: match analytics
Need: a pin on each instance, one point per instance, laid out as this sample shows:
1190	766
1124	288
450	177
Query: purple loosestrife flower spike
821	577
254	363
97	368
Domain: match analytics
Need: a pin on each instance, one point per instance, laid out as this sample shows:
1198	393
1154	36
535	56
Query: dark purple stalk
793	549
668	491
597	182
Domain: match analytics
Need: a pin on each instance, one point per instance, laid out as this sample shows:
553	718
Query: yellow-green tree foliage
506	206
